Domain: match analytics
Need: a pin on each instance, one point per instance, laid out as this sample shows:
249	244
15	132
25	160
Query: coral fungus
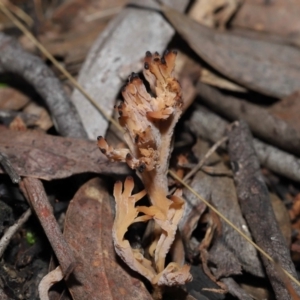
149	124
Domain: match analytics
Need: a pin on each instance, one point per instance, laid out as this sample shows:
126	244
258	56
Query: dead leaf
273	70
278	17
213	13
88	230
12	99
43	156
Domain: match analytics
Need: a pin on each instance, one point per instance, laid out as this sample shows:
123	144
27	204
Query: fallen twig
12	230
269	127
15	60
256	206
34	192
212	127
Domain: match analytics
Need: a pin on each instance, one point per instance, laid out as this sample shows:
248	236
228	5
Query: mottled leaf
43	156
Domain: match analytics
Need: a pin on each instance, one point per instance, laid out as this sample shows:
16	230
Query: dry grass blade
6	238
21	14
5	10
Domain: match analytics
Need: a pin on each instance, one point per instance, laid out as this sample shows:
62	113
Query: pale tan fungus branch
149	124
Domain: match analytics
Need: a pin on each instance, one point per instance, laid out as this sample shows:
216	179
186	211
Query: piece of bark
34	191
268	71
14	59
212	127
137	30
48	157
262	123
88	230
230	251
256	206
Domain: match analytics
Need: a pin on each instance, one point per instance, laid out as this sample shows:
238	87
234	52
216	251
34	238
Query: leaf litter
204	220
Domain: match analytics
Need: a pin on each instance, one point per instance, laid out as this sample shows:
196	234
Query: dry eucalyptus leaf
269	68
88	230
43	156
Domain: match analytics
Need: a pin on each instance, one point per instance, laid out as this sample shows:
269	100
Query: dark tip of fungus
148	54
156	53
133	76
136	138
99	137
163	61
146	66
103	150
141	168
128	156
166	52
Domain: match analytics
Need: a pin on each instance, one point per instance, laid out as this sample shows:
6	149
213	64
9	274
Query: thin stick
12	230
231	224
200	164
35	193
57	65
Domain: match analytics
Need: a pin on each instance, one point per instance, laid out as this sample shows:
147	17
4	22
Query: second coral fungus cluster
149	124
